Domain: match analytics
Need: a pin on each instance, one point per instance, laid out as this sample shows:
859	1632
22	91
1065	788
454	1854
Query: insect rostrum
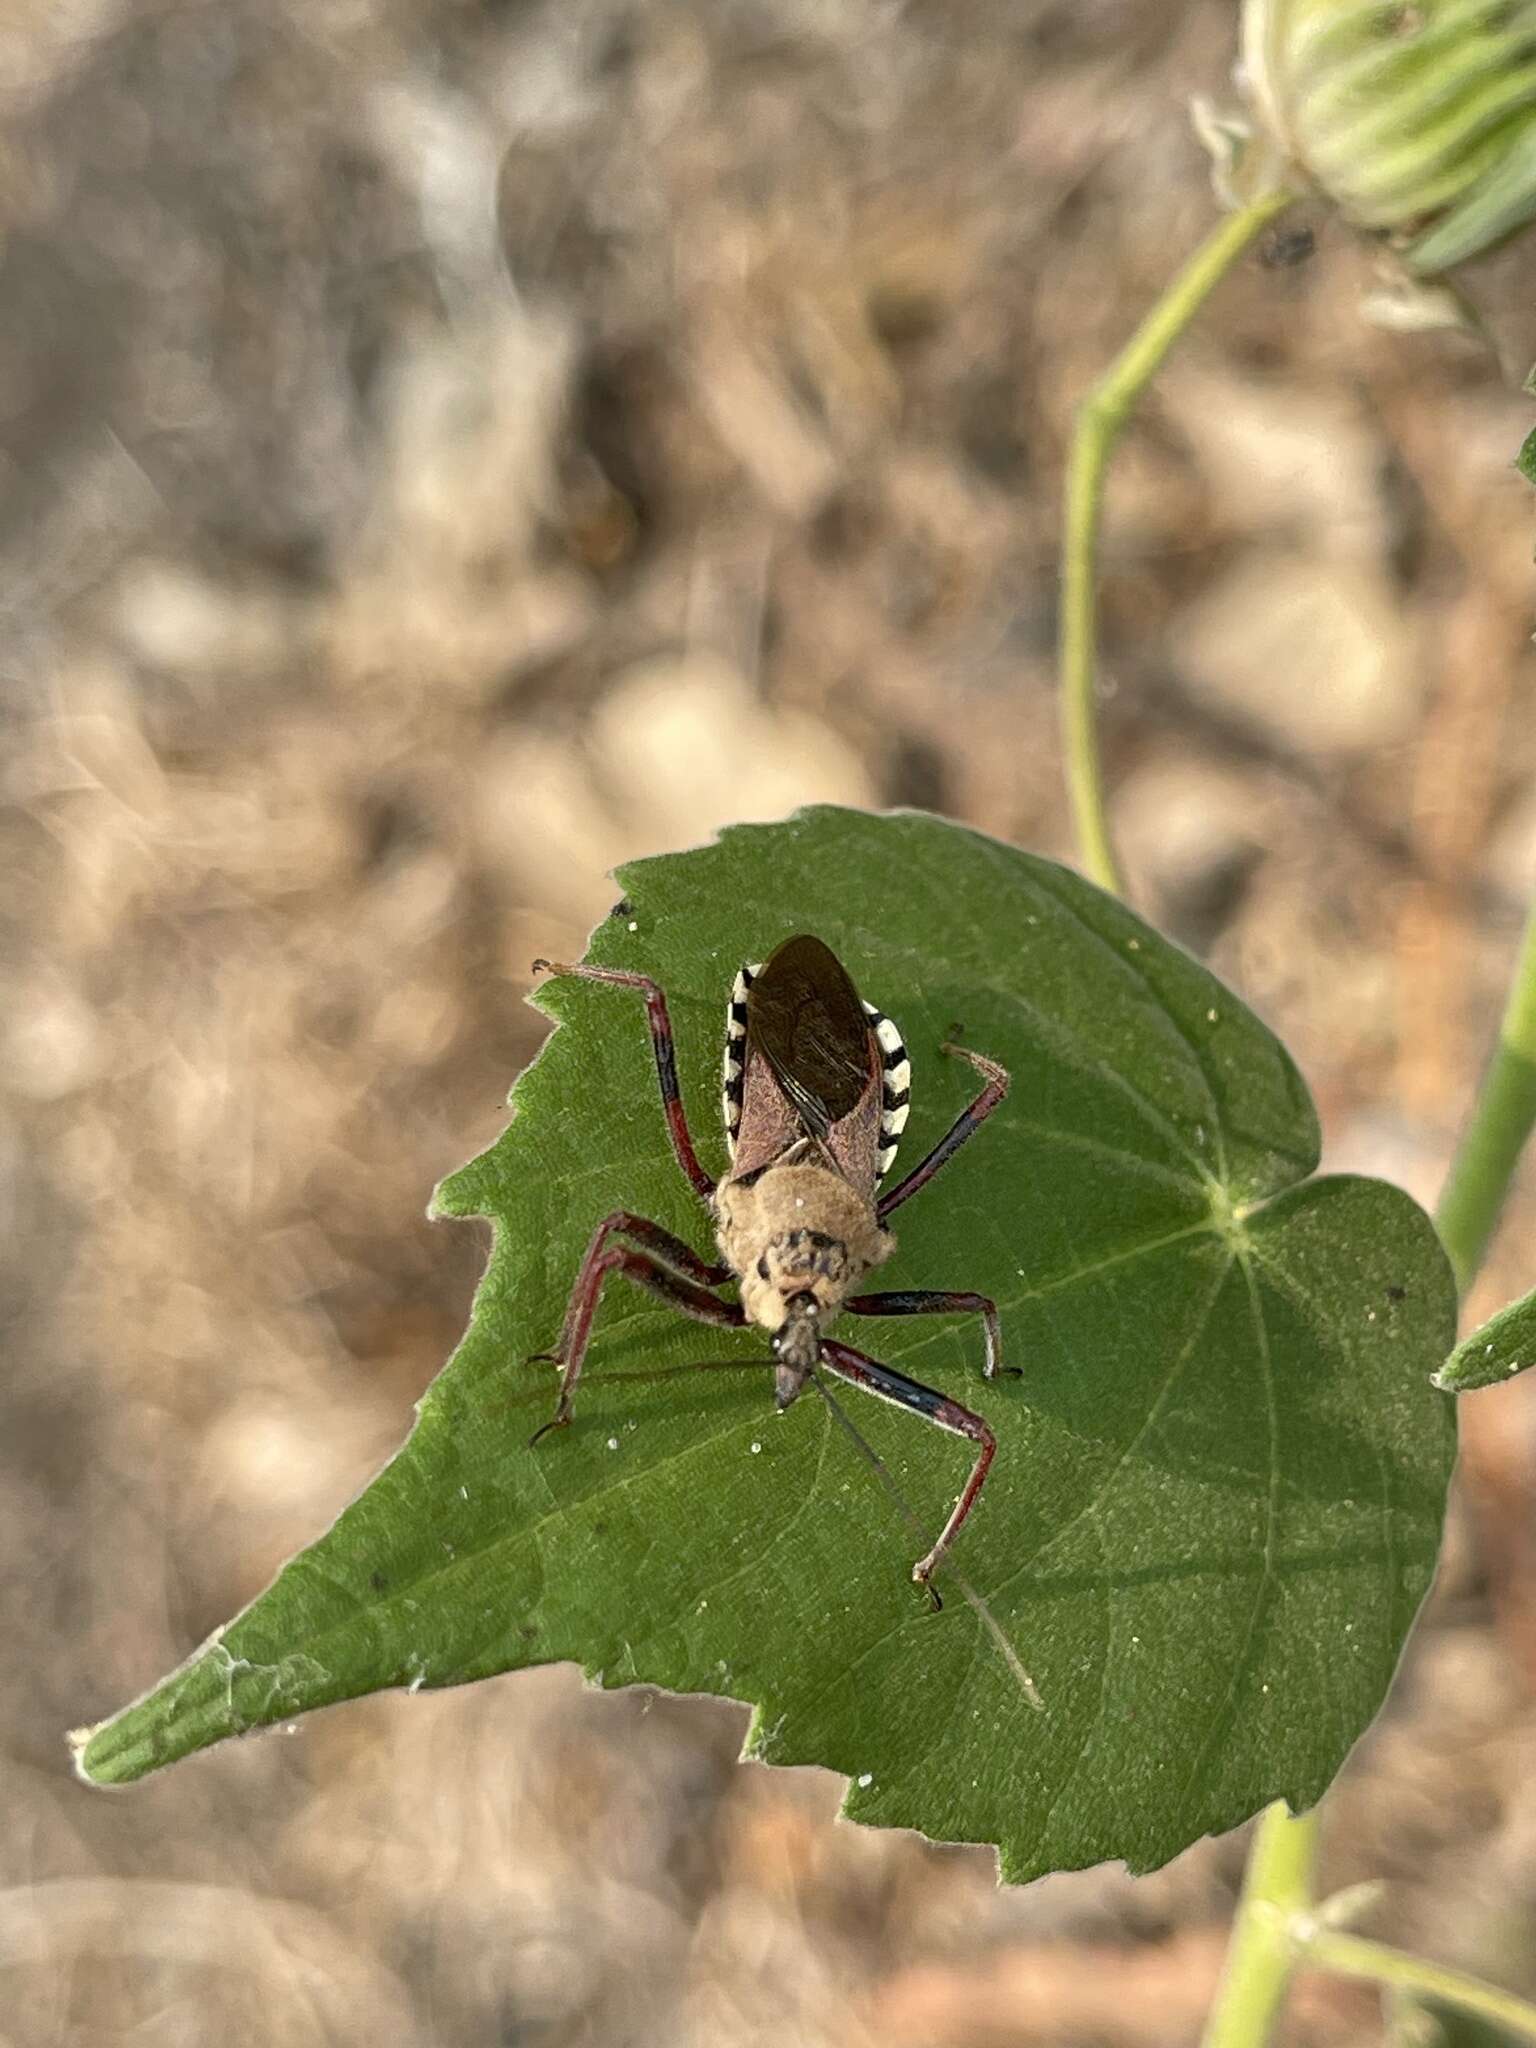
816	1089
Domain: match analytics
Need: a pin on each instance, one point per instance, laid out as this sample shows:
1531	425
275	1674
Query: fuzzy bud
1416	120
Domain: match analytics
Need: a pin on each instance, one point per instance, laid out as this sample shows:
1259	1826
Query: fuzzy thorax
798	1231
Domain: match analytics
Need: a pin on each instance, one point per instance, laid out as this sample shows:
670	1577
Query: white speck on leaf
633	926
1210	1016
463	1493
613	1443
755	1449
866	1778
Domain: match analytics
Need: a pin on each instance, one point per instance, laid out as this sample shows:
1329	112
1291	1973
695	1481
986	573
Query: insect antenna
977	1602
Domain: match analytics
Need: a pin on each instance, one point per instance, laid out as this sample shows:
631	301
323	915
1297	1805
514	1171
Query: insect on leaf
1219	1484
1505	1345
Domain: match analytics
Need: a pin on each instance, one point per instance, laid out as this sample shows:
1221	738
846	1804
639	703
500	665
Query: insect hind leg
860	1370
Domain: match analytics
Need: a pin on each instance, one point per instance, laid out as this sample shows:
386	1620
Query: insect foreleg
665	1248
965	1125
646	1272
928	1301
666	1058
890	1385
670	1250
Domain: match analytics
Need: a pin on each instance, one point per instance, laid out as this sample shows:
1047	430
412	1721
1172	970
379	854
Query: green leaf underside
1525	461
1218	1492
1505	1345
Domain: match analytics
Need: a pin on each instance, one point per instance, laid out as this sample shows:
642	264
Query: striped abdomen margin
895	1087
735	1051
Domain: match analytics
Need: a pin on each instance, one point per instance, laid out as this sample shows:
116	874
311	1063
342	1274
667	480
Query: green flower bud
1417	121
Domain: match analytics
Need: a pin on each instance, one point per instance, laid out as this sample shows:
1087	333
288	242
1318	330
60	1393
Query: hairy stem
1101	419
1276	1891
1348	1956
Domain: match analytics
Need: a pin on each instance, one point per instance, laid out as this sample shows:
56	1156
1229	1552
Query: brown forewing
812	1064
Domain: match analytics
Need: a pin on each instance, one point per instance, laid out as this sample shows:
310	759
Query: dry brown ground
443	450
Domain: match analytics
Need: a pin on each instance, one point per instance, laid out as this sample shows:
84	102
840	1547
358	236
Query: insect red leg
646	1272
928	1301
965	1125
890	1385
666	1058
667	1249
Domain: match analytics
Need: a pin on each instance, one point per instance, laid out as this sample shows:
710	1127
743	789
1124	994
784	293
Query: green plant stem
1346	1955
1277	1931
1274	1930
1276	1890
1501	1120
1100	421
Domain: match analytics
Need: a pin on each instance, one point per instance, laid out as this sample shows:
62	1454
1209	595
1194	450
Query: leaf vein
1242	1666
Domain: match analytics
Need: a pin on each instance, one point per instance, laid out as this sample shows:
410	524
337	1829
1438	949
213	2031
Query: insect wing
804	1018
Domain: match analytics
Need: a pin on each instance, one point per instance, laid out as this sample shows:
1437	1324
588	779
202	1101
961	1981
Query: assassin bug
816	1092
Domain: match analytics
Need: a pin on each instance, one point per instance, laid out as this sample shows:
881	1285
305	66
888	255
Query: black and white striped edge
735	1051
896	1077
895	1087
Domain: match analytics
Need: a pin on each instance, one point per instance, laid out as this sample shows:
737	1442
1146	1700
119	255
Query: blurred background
445	449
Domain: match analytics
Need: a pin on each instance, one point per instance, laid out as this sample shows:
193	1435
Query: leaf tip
458	1195
1469	1375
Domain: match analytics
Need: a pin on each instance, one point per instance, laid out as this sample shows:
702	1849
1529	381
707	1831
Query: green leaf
1505	1345
1219	1486
1525	461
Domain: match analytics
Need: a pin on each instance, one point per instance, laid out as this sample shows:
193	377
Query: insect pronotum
816	1092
